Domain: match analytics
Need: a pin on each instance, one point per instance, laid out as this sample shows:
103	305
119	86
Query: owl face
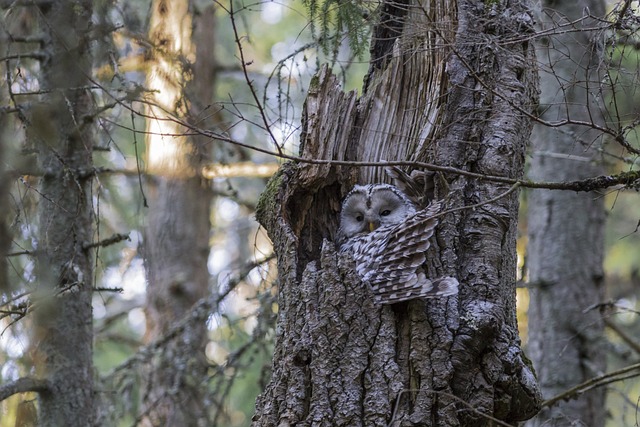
368	207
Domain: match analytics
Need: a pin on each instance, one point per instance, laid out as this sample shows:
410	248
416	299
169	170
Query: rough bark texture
5	135
447	90
566	229
60	129
177	235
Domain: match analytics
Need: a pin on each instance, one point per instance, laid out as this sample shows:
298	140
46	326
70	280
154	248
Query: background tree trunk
5	138
62	131
442	87
566	230
177	235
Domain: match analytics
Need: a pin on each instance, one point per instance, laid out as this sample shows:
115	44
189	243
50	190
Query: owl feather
391	257
419	186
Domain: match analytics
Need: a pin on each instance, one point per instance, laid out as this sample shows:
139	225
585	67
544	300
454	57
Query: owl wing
394	256
419	186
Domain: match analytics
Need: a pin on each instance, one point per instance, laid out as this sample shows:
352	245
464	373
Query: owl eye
385	212
359	217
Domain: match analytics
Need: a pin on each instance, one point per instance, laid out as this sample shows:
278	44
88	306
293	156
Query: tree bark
566	230
443	87
61	129
177	234
5	137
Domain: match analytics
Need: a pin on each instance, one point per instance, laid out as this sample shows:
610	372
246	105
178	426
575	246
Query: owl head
368	207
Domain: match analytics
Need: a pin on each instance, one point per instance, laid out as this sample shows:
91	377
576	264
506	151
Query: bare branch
244	64
20	253
621	13
198	313
103	289
513	188
23	385
33	55
598	381
116	238
239	169
622	334
629	178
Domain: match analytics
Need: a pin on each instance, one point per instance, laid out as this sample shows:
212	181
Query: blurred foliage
333	20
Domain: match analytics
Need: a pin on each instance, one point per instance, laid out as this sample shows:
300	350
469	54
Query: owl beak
372	226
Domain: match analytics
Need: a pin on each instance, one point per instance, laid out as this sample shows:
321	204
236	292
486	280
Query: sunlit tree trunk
443	87
566	229
60	126
177	234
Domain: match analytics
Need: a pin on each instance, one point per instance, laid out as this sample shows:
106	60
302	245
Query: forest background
243	105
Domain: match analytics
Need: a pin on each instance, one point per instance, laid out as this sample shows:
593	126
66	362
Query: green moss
314	83
267	203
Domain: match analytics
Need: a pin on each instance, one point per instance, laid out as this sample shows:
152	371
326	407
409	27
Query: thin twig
116	238
605	181
199	312
622	334
618	135
585	185
103	289
244	64
20	253
513	188
593	383
135	148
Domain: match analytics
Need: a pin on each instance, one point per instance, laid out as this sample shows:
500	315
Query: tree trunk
61	129
5	138
443	87
566	230
177	235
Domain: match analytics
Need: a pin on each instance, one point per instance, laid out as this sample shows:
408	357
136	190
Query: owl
419	185
388	238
